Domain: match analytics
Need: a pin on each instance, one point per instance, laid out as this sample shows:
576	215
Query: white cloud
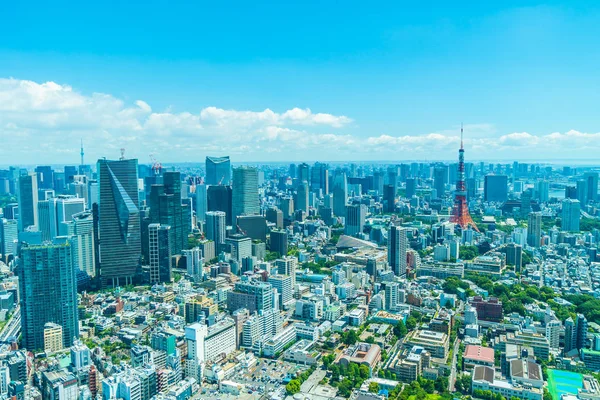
43	123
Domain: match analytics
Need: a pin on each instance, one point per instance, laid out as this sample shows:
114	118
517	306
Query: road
13	327
452	379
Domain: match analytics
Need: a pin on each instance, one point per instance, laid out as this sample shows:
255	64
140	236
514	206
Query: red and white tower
460	212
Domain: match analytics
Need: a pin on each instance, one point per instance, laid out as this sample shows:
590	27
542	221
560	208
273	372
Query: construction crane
156	166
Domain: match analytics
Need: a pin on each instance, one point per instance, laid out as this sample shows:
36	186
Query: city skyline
389	83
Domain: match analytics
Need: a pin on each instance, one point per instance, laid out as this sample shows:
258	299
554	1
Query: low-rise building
477	355
484	379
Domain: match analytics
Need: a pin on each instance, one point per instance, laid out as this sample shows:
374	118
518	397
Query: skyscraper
301	202
440	178
119	221
592	185
303	172
582	330
397	248
389	198
44	219
219	199
340	194
495	188
287	266
48	293
62	208
82	230
411	187
319	178
216	229
218	171
159	253
9	237
201	202
534	229
28	199
570	214
582	191
245	199
278	241
355	219
44	176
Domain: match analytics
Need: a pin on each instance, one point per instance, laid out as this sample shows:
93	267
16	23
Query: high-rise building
378	181
240	245
218	171
245	199
570	335
9	237
553	333
278	241
119	221
340	194
534	229
319	182
582	331
301	202
216	229
592	185
159	253
44	177
275	216
514	255
389	198
287	266
219	198
303	172
44	219
48	293
355	219
397	248
283	284
252	295
28	199
495	188
82	230
440	179
62	208
543	191
411	187
570	215
201	202
582	191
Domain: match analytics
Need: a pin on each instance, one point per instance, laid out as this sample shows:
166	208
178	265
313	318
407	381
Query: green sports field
563	382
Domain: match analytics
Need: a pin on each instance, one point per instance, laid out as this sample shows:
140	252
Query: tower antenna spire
81	153
461	135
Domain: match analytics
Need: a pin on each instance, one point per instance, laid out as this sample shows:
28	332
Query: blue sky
339	80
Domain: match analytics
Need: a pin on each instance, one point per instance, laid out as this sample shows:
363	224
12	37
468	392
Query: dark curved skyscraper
218	171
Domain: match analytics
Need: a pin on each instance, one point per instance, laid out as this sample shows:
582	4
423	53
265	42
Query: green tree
374	387
400	330
292	387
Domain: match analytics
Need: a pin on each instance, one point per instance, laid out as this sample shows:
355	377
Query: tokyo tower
460	212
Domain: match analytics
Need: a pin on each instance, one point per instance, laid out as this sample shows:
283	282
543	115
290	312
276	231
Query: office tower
82	230
275	216
303	172
194	264
44	219
570	192
301	202
411	187
253	226
219	198
62	209
194	339
9	237
391	295
543	191
240	245
28	199
392	173
218	171
201	202
119	221
355	219
216	229
534	229
285	289
514	255
570	215
440	178
582	328
378	180
70	172
526	197
45	177
159	253
495	188
397	248
93	190
245	199
252	295
570	335
278	241
592	185
287	208
340	194
582	191
319	178
389	198
287	266
48	293
292	171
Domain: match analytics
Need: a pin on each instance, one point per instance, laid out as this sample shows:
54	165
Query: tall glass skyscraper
218	171
166	209
119	221
160	253
48	293
245	192
28	198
